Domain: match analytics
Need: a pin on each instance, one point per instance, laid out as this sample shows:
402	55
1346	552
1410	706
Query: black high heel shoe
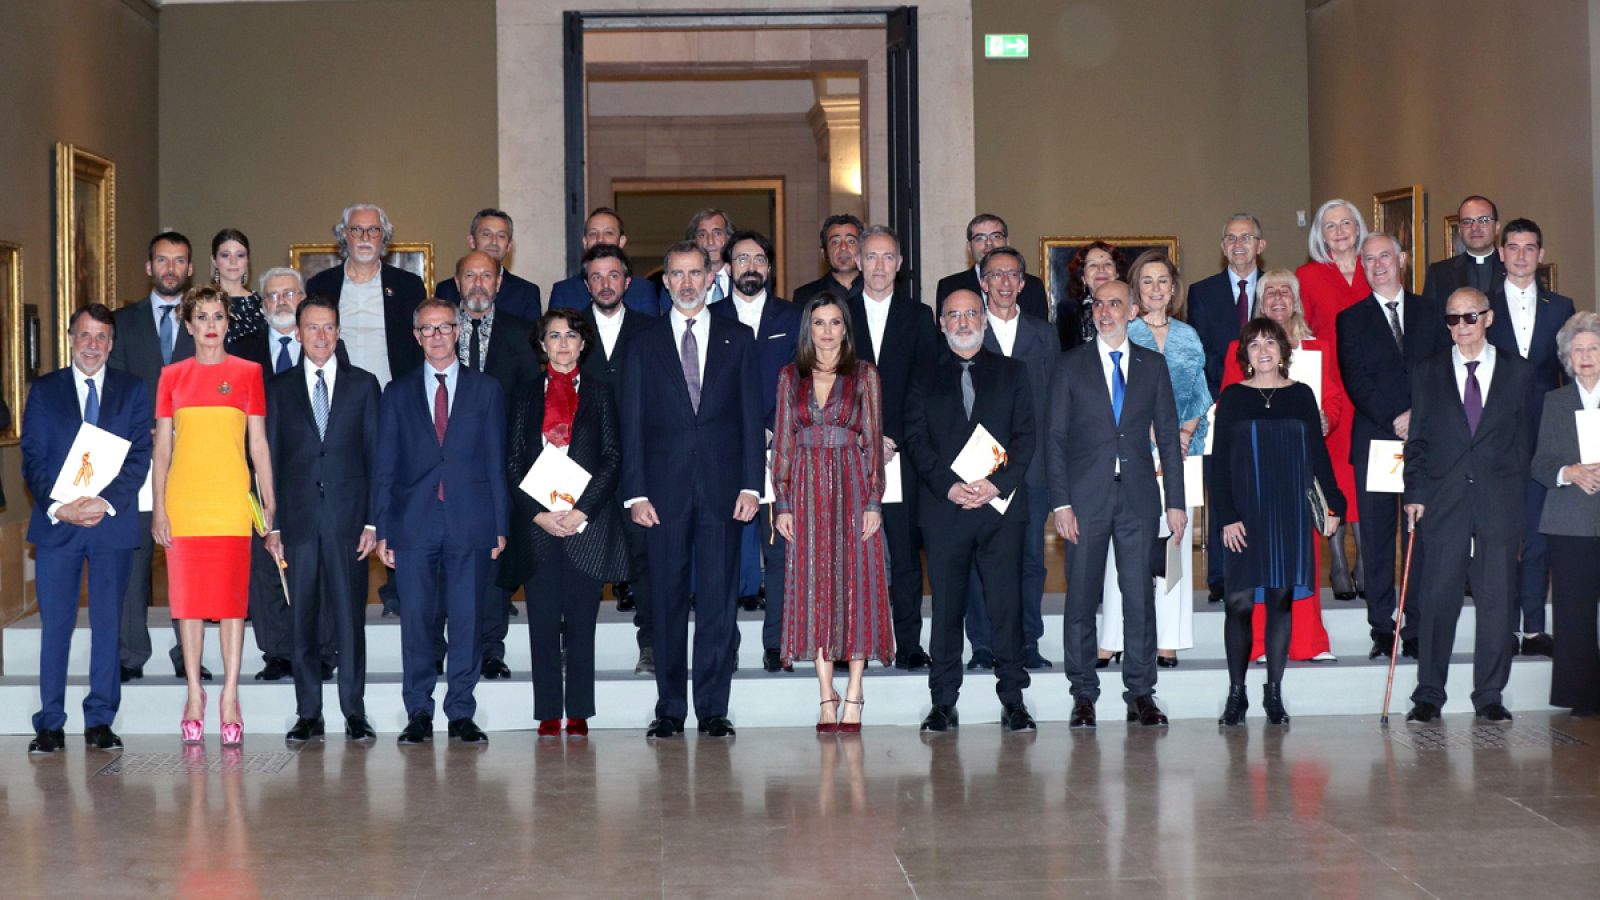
1233	710
1272	704
1102	661
1167	662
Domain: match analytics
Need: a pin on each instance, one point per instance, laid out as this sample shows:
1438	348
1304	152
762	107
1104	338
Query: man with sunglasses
1475	264
1468	450
986	232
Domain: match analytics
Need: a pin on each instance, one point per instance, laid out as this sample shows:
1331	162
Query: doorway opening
654	209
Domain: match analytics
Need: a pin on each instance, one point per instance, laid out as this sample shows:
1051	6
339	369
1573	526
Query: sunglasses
1471	318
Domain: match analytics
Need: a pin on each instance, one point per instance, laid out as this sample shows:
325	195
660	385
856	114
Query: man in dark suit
1380	340
604	226
692	454
841	253
149	336
1106	399
1526	319
322	426
965	388
895	333
376	300
607	274
502	346
100	531
986	232
1475	265
1467	458
1218	307
441	509
492	232
776	325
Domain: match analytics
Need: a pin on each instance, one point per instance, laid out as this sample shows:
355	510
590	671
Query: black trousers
1493	569
495	617
902	539
774	559
1381	529
134	634
710	540
563	605
1575	600
327	583
1533	577
643	603
995	547
1131	536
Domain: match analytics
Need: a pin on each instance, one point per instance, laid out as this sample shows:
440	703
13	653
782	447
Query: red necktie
1243	302
441	417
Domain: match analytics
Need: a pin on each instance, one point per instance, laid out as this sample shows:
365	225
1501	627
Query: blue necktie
91	406
1118	386
284	363
167	333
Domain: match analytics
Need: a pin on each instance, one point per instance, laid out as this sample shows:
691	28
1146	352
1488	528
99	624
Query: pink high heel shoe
233	732
194	730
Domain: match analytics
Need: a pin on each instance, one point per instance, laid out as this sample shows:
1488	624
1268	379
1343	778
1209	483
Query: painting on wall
11	339
1056	253
1403	213
415	257
86	234
1452	236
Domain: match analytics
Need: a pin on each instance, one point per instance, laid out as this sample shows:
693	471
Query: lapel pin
224	388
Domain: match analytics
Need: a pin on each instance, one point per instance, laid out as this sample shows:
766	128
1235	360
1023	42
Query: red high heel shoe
853	727
830	727
577	728
550	728
194	730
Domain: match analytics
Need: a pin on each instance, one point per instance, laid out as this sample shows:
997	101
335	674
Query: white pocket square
773	337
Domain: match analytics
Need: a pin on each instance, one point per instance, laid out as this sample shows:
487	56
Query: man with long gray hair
375	299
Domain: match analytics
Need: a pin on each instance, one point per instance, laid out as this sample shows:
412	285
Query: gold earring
1249	370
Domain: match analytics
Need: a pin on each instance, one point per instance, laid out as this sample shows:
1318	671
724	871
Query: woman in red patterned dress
827	481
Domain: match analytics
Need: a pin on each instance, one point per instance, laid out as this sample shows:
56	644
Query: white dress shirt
1485	362
718	290
702	326
430	385
877	320
1523	305
81	382
608	327
1005	332
1399	310
156	302
749	310
363	328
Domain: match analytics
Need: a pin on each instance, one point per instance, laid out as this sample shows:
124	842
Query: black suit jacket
598	551
937	428
511	358
1446	275
605	368
402	291
518	296
137	346
1549	314
1461	478
910	342
827	282
1034	300
1376	375
1037	347
323	481
1086	441
1214	313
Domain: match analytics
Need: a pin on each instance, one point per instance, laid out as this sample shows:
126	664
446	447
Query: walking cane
1394	652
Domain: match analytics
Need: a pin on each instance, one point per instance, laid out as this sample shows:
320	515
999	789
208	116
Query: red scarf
560	404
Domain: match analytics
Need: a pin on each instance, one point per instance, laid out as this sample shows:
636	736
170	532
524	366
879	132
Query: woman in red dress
827	482
210	412
1278	299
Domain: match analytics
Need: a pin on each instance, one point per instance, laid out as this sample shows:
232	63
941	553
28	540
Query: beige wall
1143	118
1463	97
81	71
275	116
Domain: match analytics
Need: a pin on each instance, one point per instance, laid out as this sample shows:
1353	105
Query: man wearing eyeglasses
1467	455
1475	264
376	300
493	233
986	232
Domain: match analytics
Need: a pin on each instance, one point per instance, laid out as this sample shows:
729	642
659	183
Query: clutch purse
258	516
1319	507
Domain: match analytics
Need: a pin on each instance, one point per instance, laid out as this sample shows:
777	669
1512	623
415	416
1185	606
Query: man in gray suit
1106	398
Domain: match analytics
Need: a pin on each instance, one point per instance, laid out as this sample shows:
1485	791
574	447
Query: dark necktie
1472	398
477	353
441	417
968	395
1244	301
1394	325
284	362
1119	387
690	351
91	405
168	332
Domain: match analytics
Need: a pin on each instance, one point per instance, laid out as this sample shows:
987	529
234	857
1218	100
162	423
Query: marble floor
1330	807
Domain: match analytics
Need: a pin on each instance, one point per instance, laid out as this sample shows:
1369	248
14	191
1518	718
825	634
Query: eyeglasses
1471	318
287	294
956	315
1231	239
745	259
359	231
1478	220
988	237
428	331
1007	274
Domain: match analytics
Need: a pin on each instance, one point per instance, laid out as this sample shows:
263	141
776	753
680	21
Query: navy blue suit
49	425
691	465
641	296
441	547
518	296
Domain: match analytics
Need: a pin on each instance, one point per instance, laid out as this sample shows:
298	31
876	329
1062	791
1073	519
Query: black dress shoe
1016	718
1494	712
1215	594
327	671
1032	659
664	727
305	729
1381	646
48	740
495	667
438	667
1082	714
913	660
101	737
1145	711
357	728
1538	645
1233	711
623	592
466	731
179	673
941	718
772	661
981	659
1408	648
1166	662
1423	713
276	669
130	673
752	603
417	731
1344	595
716	726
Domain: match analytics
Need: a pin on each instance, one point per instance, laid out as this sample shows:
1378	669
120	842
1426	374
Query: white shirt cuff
628	504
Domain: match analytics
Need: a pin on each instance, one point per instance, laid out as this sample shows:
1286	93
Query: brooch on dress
224	388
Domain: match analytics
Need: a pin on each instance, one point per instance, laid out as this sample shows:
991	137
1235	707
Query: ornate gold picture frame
11	346
415	257
86	235
1403	213
1056	253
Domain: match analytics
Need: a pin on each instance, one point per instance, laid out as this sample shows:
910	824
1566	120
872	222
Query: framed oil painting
1452	236
86	234
1403	213
415	257
1056	253
11	347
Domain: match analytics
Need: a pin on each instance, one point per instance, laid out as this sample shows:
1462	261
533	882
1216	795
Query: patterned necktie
1244	301
91	405
1472	398
1394	324
284	363
968	395
168	332
690	351
319	405
441	417
1118	386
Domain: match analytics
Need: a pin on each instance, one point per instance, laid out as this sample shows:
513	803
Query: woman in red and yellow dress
210	411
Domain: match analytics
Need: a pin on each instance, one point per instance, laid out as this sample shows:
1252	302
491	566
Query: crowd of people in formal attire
812	458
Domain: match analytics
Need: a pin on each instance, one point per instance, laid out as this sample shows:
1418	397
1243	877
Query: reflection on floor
1330	807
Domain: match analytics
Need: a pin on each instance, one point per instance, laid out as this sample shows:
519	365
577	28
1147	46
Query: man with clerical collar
1476	264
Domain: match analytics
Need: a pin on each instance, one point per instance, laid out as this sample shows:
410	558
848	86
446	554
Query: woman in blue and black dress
1269	449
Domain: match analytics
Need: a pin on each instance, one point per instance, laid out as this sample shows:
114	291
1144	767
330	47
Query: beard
477	300
751	283
688	299
281	321
607	299
965	343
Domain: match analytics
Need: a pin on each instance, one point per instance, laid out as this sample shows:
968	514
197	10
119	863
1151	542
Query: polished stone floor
1332	807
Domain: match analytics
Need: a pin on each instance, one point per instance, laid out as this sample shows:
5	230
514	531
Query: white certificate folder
92	463
981	457
1386	467
554	480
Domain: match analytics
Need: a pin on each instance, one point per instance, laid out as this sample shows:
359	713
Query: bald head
478	283
963	323
1112	311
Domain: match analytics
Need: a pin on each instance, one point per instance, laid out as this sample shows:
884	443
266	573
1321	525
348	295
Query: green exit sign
1005	46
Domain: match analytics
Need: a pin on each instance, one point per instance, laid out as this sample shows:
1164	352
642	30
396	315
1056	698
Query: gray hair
344	223
1243	217
699	219
1361	247
281	272
872	231
1299	329
1318	246
1581	321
